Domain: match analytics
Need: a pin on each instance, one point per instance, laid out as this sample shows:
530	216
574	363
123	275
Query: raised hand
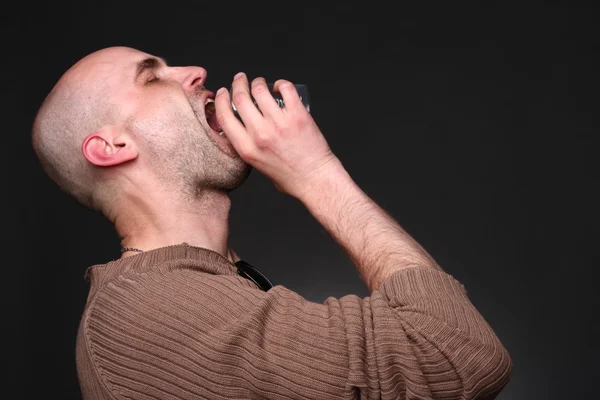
285	144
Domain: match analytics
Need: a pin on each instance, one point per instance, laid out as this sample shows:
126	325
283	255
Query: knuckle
239	98
221	117
302	121
280	125
263	140
286	85
288	127
259	88
246	153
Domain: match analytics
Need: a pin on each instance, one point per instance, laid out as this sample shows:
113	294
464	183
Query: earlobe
107	147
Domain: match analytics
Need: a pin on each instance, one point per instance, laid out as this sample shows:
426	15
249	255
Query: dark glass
302	92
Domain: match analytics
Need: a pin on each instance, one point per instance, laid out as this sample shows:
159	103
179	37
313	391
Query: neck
159	221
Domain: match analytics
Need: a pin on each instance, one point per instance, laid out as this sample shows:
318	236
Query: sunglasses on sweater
248	271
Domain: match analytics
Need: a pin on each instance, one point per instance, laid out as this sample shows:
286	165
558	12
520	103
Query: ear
108	146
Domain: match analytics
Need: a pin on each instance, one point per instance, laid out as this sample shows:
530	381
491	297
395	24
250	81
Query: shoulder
138	319
165	288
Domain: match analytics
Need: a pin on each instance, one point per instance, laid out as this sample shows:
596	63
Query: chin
239	176
228	176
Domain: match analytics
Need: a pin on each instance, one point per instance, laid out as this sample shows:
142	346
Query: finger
266	103
240	93
233	128
289	94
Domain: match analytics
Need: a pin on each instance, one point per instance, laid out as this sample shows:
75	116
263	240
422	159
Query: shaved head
76	106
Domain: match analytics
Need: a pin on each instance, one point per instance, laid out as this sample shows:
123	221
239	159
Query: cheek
148	106
163	121
143	102
158	112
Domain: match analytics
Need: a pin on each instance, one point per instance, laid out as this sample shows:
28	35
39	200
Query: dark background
472	125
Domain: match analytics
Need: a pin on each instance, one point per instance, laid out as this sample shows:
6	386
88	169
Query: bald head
77	105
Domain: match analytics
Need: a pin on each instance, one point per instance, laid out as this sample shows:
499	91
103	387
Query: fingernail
221	90
238	75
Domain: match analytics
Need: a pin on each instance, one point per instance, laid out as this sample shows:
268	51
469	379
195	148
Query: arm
288	147
418	328
175	331
377	245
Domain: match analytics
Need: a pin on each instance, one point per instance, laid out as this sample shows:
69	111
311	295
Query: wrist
323	182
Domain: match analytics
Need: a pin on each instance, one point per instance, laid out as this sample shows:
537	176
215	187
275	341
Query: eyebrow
148	63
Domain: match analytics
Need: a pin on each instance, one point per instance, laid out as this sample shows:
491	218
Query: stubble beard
202	160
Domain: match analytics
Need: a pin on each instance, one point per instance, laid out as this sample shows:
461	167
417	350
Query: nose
190	77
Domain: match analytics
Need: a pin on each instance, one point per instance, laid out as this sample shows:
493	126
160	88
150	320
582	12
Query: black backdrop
472	125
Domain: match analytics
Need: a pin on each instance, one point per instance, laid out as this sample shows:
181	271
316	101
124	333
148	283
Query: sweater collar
199	258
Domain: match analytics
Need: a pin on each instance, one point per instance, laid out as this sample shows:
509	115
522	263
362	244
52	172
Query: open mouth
211	116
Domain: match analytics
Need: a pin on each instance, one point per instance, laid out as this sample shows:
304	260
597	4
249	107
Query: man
157	154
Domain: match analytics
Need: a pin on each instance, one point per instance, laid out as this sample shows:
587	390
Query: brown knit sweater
178	322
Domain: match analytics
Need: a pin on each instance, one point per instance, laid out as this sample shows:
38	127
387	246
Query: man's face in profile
170	115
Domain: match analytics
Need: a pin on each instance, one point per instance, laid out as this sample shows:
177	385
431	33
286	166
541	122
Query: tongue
212	122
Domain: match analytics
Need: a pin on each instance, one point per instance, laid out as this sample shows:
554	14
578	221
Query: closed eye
148	65
151	78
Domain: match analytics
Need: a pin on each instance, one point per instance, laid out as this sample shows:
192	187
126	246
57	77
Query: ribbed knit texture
179	323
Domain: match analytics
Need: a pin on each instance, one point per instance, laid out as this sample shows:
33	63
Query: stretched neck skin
156	220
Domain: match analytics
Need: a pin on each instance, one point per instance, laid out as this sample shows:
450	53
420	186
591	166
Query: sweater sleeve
189	335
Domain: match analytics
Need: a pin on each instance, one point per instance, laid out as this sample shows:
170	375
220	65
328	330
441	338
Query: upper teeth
209	100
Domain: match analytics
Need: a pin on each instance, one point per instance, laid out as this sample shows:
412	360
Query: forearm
374	241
